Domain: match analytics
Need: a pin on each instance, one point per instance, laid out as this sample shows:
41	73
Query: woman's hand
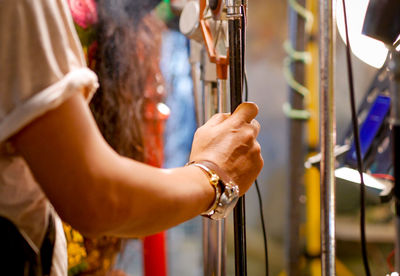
230	142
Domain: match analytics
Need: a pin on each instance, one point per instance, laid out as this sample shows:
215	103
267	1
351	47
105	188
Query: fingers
217	119
256	126
245	112
259	158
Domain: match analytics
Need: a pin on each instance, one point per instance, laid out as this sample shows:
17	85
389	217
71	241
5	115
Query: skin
100	192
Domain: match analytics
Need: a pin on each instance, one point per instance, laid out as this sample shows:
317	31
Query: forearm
143	199
113	195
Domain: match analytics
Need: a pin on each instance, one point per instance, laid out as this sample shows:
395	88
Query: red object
389	261
154	247
383	176
154	255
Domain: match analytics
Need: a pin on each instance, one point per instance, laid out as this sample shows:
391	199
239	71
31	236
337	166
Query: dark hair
127	64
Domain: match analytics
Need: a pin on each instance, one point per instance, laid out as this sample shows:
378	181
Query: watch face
227	201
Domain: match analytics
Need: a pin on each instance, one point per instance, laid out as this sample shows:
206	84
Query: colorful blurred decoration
83	12
93	257
76	250
164	11
101	254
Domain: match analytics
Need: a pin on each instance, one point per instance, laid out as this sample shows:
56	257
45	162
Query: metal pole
327	135
222	95
195	59
214	244
214	253
214	101
236	20
394	67
296	147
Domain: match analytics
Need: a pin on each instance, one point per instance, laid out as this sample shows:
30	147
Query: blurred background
267	31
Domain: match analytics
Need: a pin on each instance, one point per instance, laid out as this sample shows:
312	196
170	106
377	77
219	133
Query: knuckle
218	116
236	122
261	163
198	132
248	135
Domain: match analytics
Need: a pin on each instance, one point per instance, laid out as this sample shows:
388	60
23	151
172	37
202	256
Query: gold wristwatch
226	191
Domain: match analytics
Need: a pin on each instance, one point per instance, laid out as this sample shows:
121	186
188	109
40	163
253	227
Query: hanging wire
358	147
260	203
263	228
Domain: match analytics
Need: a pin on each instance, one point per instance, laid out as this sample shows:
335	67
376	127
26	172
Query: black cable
358	148
246	96
263	228
246	87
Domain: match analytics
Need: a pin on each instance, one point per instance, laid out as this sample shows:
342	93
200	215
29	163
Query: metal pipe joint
233	8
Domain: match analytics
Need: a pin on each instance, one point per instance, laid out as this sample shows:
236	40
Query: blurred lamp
369	50
377	189
382	20
353	176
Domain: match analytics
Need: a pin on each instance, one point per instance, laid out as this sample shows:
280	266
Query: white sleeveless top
41	65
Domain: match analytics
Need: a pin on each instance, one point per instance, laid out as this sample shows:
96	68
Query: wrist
213	181
201	180
226	191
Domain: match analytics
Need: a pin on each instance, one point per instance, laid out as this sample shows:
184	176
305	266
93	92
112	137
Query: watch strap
214	181
227	192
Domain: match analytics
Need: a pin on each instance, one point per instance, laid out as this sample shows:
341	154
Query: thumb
245	112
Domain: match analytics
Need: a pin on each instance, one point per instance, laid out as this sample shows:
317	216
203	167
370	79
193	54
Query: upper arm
42	72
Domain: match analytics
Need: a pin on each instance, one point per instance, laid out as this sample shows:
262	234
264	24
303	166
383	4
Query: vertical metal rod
219	247
394	67
327	135
196	72
235	61
296	149
214	256
222	96
221	230
210	99
214	231
236	19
